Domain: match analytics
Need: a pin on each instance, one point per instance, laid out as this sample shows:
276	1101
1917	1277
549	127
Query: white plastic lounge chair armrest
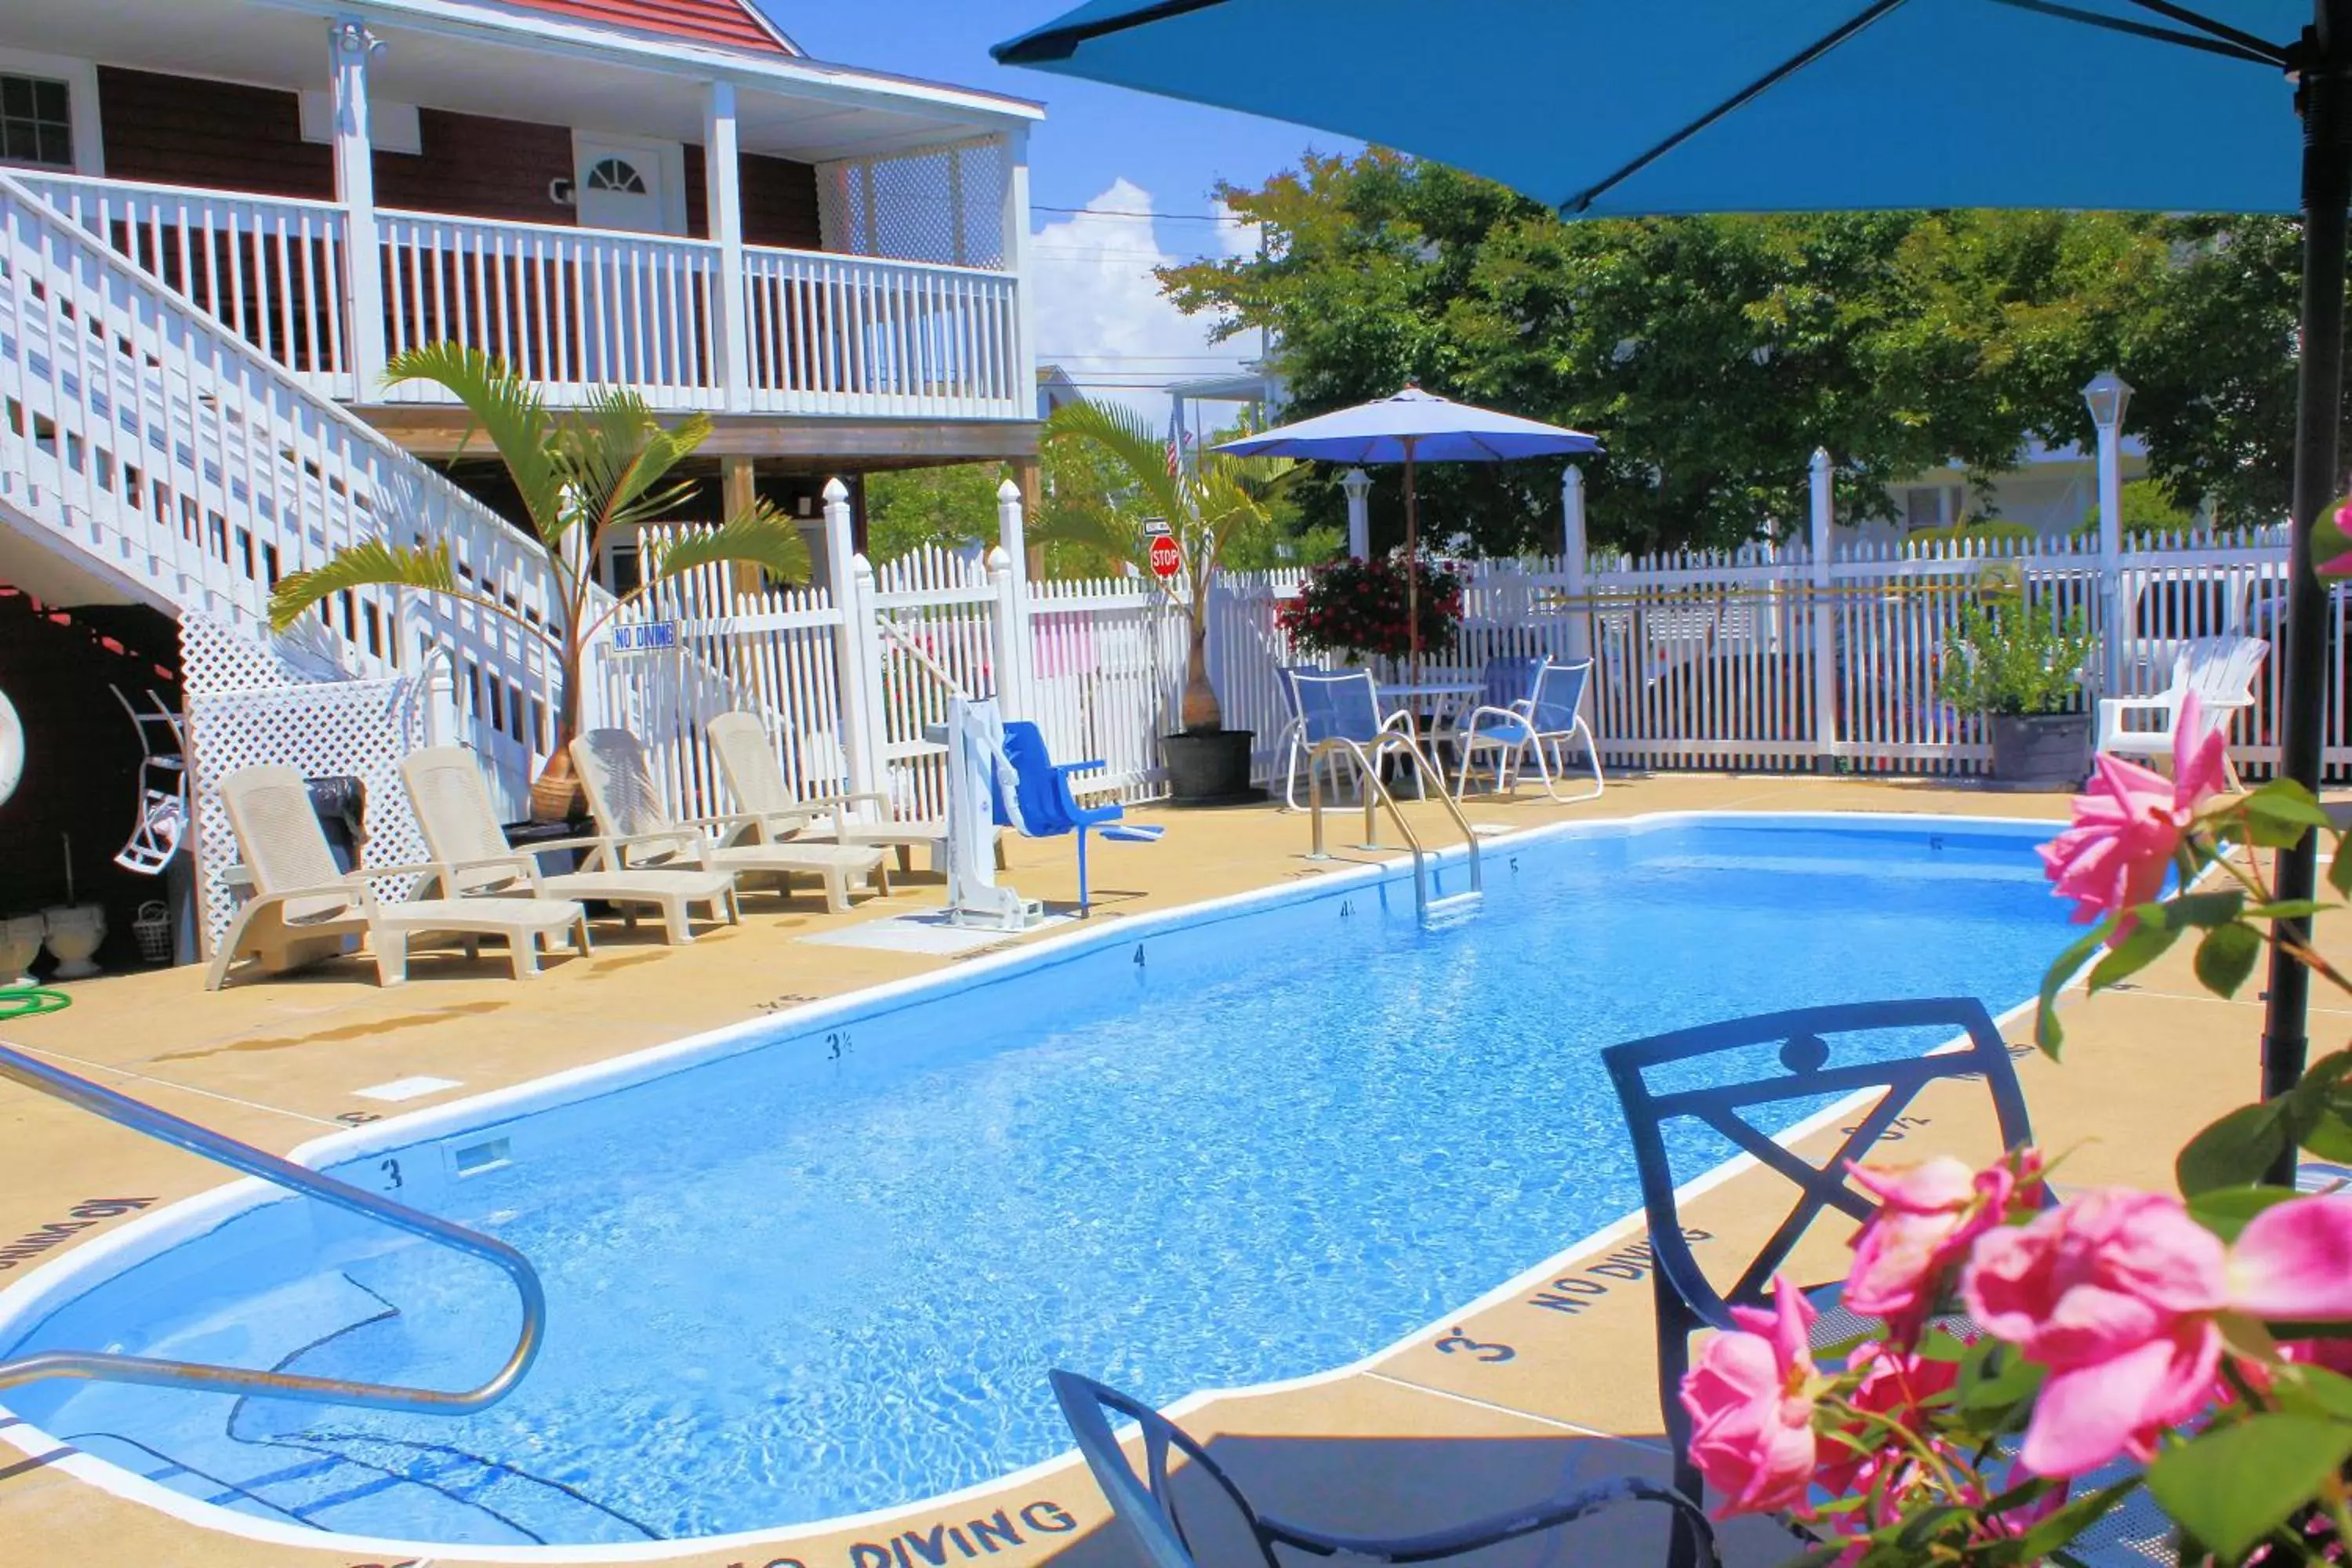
420	868
2162	703
875	795
517	866
352	889
689	843
527	851
2209	703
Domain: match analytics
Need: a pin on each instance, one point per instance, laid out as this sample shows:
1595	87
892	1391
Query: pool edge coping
49	1286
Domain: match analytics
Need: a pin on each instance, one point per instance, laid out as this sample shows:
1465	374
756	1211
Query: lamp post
1357	485
2107	395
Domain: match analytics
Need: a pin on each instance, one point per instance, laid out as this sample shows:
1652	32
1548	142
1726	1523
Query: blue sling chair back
1050	808
1818	1054
1145	1503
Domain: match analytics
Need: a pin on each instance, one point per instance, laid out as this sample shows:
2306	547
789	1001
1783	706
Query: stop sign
1167	557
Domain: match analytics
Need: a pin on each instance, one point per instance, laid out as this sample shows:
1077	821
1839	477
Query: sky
1118	182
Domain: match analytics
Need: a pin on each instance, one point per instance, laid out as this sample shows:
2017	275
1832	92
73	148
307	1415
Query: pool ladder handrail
105	1366
1376	792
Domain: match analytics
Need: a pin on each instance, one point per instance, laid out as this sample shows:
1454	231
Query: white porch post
1016	261
1824	518
1575	562
2108	394
1008	563
857	644
350	48
1357	485
722	179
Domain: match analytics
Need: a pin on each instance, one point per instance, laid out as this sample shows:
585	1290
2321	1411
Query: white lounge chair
2219	669
636	831
303	906
755	776
1547	714
471	857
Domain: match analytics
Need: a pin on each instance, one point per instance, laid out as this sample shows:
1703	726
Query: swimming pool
819	1265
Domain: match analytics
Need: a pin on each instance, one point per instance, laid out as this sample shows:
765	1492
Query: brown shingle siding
182	131
479	167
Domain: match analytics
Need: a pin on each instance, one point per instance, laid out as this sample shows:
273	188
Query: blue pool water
828	1274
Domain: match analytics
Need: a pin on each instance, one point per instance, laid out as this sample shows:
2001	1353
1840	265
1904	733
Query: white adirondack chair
2219	669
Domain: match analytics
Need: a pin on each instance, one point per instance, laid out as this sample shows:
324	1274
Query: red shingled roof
731	24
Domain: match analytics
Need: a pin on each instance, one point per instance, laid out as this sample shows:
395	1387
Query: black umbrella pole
2327	107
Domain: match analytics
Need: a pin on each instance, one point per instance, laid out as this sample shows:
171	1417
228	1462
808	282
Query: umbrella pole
2326	105
1412	570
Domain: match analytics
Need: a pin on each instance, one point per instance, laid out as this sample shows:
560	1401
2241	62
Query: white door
629	184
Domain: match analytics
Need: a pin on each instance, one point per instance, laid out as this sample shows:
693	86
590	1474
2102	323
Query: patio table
1430	704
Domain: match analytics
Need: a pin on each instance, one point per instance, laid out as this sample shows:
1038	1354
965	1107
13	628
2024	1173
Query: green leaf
2226	956
2285	800
2230	1488
762	536
2339	866
2206	909
508	409
2234	1152
2051	1534
2288	910
2224	1211
2061	972
2147	943
372	563
1994	1377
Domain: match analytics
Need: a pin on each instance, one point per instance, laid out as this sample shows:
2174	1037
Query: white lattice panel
940	204
355	727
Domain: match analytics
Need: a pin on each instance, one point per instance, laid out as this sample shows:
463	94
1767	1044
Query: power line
1131	212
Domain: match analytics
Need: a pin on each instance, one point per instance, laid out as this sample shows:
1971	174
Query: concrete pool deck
1488	1409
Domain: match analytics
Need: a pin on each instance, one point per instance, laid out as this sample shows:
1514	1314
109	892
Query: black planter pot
1209	767
2048	749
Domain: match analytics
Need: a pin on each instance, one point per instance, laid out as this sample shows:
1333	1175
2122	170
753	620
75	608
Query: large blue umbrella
1603	107
1412	427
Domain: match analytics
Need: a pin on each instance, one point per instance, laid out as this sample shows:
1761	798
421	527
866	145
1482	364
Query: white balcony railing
574	308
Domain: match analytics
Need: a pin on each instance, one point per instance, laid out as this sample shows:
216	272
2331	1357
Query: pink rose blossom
2116	1294
2341	565
1895	1384
1751	1413
1929	1215
2130	822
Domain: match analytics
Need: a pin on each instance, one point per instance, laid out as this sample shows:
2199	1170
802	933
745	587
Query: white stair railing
154	444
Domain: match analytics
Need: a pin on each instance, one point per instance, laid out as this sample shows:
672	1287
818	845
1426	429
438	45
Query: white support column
350	48
1575	562
857	644
1009	564
2118	606
1357	485
722	178
1016	261
1824	619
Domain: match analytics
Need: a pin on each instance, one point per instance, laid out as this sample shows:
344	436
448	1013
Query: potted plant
581	477
1202	507
2021	667
1358	609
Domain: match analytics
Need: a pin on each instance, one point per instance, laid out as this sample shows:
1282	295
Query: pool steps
1446	910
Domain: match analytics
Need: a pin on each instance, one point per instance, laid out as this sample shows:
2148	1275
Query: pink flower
1929	1217
2129	824
2116	1294
2341	565
1751	1413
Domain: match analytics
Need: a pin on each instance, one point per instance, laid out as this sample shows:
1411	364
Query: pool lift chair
1339	713
1145	1503
1046	806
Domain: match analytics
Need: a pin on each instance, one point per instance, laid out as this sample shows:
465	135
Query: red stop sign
1167	557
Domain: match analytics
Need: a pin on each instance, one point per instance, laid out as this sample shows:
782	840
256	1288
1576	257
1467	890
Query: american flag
1179	438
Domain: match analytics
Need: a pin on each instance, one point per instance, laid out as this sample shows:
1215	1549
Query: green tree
951	507
1712	355
579	476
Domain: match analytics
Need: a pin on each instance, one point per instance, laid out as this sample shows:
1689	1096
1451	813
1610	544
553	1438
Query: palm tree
1204	509
582	477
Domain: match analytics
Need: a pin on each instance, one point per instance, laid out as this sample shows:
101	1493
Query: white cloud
1099	312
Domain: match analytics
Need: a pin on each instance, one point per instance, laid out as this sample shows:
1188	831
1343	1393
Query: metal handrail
1377	793
103	1366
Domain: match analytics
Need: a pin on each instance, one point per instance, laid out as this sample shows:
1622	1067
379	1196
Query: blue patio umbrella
1601	107
1412	427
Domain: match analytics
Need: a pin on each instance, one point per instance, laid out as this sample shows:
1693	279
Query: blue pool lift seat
1145	1504
1719	1075
1531	706
1339	717
1050	808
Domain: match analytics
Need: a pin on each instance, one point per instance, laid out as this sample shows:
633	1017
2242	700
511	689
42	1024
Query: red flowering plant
2038	1363
1356	607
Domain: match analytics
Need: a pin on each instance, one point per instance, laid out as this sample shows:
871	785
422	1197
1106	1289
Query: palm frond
1121	434
760	536
506	409
617	458
373	563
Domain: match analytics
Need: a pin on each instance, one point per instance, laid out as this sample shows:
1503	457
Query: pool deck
1485	1410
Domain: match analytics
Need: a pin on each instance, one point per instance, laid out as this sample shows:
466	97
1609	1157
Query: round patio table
1430	704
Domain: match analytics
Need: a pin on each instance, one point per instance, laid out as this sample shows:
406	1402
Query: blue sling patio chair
1531	706
1049	807
1292	742
1339	717
1145	1504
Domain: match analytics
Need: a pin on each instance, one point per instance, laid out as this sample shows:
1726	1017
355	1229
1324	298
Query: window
617	175
35	121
